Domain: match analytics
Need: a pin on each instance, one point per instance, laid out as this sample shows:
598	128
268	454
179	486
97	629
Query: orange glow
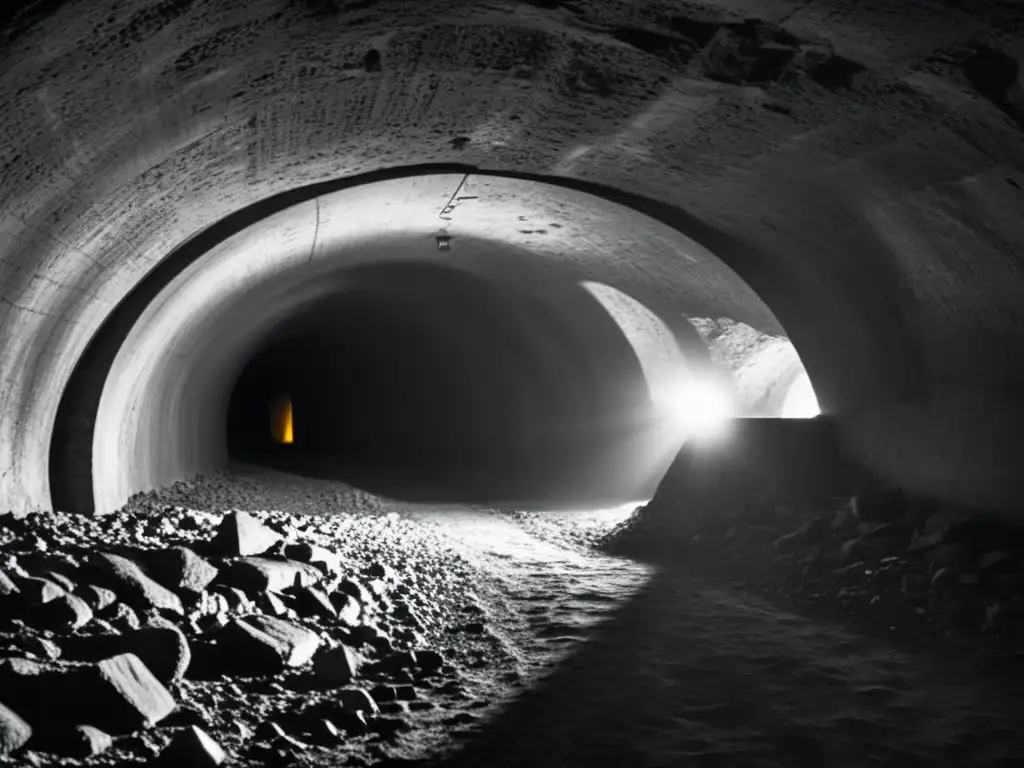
281	419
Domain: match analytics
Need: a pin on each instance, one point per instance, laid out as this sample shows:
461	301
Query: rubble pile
883	556
184	637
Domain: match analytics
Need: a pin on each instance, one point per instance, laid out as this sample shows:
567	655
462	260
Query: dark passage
426	383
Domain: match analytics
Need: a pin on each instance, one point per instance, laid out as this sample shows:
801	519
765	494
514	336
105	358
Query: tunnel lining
87	216
76	417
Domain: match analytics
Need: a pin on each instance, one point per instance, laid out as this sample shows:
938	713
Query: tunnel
444	383
492	251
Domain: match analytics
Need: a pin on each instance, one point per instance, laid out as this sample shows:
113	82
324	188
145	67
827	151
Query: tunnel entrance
427	383
134	417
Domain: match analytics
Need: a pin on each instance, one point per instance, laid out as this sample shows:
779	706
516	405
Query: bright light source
702	409
801	402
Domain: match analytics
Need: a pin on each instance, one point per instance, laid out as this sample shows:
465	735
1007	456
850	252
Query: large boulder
163	648
133	585
260	645
336	666
260	574
118	695
179	568
241	535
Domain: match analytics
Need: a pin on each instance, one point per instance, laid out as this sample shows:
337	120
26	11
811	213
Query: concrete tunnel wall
876	213
161	414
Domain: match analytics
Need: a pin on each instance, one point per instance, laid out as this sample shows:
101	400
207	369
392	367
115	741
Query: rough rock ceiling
859	163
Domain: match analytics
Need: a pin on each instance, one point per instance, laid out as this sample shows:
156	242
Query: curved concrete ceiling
159	416
859	165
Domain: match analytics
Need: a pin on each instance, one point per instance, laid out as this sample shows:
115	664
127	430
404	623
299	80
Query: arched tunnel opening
501	369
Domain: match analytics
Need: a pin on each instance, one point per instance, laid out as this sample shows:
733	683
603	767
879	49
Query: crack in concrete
448	208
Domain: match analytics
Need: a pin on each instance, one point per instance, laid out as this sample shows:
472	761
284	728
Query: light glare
702	409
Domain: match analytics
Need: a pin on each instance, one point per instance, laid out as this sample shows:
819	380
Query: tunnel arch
274	238
679	221
872	201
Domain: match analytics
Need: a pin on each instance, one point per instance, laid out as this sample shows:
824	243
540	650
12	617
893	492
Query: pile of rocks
881	555
192	638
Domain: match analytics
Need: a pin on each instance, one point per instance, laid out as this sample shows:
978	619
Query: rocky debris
372	636
95	597
7	586
192	746
271	604
881	555
180	569
336	666
118	695
324	733
122	618
257	574
133	586
161	646
347	608
242	535
36	591
322	558
14	732
29	646
357	700
62	614
310	603
260	645
278	617
356	590
81	741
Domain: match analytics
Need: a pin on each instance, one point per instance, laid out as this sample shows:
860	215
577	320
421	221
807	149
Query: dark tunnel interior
423	383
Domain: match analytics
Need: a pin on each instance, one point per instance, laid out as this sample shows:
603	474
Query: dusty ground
586	659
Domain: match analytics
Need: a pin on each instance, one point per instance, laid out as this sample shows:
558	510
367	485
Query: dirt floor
555	653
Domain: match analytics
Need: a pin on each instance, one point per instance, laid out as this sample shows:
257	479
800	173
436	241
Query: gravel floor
555	654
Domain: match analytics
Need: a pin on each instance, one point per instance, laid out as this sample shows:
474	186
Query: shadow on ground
687	673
